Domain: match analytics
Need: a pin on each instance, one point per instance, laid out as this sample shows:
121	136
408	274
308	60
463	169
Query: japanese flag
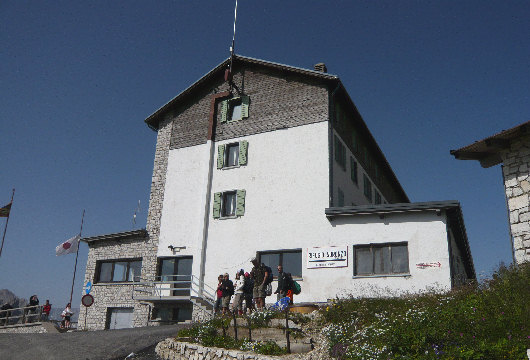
67	247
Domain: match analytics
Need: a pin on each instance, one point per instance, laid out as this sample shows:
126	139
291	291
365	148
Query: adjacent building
272	161
511	148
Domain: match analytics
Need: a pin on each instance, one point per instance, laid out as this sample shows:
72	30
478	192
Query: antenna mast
232	48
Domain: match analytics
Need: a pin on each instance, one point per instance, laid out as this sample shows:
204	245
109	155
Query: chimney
321	67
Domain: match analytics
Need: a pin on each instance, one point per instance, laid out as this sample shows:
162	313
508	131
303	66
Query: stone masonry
122	294
517	185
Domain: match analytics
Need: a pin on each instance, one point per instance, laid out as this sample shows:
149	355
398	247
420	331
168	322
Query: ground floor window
381	259
172	313
122	270
291	260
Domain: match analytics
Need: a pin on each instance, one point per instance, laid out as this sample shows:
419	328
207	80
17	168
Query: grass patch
488	321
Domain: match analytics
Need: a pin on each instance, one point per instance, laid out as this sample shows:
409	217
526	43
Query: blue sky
78	79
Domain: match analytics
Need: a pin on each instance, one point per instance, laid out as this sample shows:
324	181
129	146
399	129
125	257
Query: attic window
234	109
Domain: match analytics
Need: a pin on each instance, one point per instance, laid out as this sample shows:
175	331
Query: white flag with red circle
68	247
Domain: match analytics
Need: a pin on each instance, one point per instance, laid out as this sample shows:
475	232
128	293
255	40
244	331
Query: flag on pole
4	212
68	247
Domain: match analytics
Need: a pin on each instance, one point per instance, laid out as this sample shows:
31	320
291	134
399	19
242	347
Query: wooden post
23	315
40	313
235	324
287	330
249	324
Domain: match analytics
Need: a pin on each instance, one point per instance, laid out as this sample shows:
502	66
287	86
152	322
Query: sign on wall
327	257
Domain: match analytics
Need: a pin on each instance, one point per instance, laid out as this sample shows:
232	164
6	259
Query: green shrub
487	321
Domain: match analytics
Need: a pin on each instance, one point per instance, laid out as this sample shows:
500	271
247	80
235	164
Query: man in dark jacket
281	290
227	286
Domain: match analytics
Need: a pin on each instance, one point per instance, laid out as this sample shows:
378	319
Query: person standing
67	315
248	287
260	275
46	310
33	302
227	287
280	290
239	284
219	294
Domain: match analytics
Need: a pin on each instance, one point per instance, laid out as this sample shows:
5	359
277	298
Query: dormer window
234	109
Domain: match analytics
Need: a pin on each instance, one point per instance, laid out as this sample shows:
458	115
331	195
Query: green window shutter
240	202
243	147
220	156
224	110
217	205
245	101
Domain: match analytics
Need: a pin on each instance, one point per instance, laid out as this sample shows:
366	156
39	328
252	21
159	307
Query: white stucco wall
183	210
353	193
286	182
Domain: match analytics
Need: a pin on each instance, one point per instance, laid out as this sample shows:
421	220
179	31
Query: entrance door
120	318
177	272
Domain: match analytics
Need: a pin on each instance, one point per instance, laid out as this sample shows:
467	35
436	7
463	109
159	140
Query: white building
277	164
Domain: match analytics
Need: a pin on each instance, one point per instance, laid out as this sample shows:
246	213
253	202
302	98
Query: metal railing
22	315
166	286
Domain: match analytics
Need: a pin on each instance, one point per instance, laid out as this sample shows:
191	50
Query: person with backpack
289	287
227	286
248	288
261	276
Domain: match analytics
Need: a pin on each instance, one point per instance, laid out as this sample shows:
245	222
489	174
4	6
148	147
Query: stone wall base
171	349
24	329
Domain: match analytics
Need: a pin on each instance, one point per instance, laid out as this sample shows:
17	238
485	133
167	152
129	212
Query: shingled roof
487	150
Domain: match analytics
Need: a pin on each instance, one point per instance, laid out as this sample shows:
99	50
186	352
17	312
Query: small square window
232	155
228	205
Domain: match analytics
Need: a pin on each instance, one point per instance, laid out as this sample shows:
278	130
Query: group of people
31	312
251	289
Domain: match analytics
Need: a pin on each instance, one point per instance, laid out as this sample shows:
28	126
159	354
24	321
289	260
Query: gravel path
90	345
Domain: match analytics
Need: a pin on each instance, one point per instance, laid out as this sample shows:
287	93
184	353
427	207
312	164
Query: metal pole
76	255
7	220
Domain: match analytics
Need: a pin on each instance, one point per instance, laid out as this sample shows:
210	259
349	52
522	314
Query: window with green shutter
234	109
232	155
229	204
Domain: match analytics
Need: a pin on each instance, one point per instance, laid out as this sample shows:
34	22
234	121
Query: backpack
297	289
248	286
270	278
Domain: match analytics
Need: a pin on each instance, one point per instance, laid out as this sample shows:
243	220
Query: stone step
268	334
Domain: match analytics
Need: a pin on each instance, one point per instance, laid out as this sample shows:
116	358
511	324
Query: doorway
176	272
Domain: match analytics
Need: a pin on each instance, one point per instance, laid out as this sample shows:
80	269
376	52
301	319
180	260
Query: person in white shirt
237	305
66	315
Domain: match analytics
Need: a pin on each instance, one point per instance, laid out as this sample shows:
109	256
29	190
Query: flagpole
7	220
76	255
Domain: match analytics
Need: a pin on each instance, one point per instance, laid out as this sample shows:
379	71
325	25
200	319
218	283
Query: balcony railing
22	315
173	287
